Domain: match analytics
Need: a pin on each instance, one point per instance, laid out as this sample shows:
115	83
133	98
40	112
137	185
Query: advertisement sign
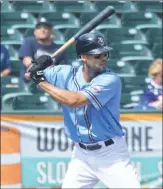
41	152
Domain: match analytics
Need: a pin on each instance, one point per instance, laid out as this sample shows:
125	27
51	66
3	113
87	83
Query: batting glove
38	77
40	64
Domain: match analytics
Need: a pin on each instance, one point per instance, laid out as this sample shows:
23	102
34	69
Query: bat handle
64	47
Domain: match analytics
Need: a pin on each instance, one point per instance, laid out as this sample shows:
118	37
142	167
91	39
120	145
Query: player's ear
83	57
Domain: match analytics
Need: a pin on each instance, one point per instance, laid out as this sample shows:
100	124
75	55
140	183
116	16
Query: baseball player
90	95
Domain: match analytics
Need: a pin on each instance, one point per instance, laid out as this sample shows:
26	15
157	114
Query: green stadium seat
129	101
33	6
157	50
74	6
141	20
121	68
125	36
28	32
112	22
12	52
154	35
128	52
120	6
60	20
152	6
10	36
58	36
34	89
17	20
29	102
141	66
135	83
16	66
10	84
125	100
71	52
6	6
70	32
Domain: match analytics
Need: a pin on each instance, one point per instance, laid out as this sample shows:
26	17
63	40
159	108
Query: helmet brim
100	50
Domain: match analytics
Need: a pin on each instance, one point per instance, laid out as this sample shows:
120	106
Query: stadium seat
10	36
60	20
6	6
121	68
34	89
70	32
141	66
10	84
28	32
157	50
113	22
152	6
135	83
125	36
154	35
17	20
33	6
16	66
141	20
127	52
12	52
120	6
74	6
71	52
29	102
58	36
125	100
129	101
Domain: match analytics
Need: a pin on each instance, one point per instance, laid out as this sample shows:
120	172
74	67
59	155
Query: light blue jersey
97	121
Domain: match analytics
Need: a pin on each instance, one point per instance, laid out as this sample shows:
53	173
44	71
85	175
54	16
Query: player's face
43	33
97	62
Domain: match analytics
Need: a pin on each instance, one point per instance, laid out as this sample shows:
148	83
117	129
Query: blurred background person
152	96
37	45
5	62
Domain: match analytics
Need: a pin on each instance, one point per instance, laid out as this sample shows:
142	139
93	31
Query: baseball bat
106	13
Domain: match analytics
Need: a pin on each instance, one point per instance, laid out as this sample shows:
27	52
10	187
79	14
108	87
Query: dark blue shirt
151	93
32	48
5	59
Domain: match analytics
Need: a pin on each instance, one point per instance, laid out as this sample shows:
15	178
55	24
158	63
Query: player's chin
101	70
102	67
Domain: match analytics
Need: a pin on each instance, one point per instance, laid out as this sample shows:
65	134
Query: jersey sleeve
57	75
26	48
102	89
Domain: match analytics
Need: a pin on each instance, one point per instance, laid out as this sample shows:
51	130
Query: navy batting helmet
91	43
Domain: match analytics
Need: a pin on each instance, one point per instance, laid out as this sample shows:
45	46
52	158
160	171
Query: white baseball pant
110	164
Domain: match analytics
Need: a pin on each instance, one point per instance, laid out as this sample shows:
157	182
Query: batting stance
90	96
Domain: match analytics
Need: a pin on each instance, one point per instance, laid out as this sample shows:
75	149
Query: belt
96	146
